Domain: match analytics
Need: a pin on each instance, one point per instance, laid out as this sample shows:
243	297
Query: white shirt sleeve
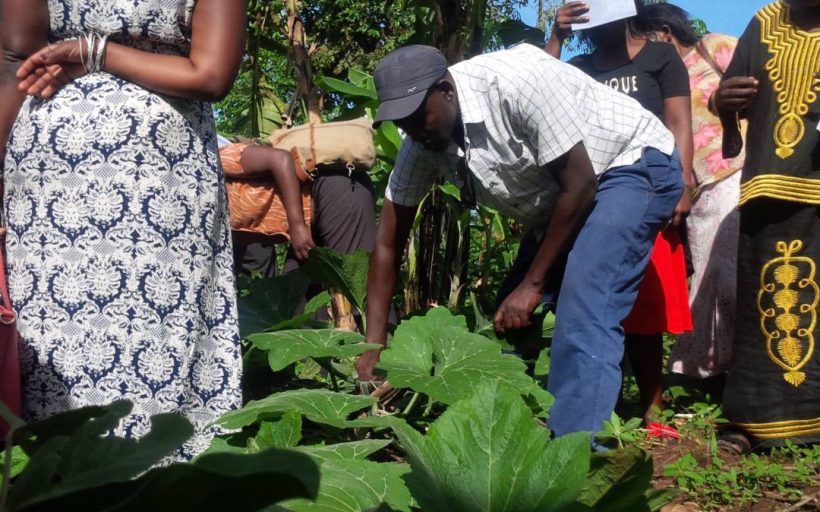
412	176
545	108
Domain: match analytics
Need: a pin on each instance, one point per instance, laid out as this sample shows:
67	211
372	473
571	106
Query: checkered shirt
522	109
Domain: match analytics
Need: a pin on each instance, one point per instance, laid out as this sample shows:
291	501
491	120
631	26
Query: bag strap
704	52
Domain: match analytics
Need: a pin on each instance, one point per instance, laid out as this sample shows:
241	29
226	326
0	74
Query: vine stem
412	404
4	491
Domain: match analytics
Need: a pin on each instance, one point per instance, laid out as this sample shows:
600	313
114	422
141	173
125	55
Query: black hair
678	21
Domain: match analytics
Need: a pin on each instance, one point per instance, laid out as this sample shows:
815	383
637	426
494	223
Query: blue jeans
596	285
604	268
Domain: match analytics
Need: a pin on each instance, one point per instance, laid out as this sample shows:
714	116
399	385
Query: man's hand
48	70
569	13
301	241
736	93
365	365
684	206
516	310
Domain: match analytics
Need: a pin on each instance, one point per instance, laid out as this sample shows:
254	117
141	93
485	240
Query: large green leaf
221	481
287	347
357	485
619	481
286	432
344	272
437	356
340	86
264	302
317	302
86	457
19	460
317	405
486	453
352	450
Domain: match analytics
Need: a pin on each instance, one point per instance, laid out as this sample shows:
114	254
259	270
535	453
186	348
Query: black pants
344	219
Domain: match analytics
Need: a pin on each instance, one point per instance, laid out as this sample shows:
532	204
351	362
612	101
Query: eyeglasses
467	185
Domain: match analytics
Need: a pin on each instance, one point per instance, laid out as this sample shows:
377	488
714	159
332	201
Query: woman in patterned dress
119	247
713	223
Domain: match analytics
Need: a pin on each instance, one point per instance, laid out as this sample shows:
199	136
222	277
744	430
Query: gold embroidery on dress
788	324
794	62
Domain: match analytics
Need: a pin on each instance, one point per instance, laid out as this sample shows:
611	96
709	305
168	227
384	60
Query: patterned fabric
773	388
781	143
521	110
709	165
712	229
119	247
712	226
256	205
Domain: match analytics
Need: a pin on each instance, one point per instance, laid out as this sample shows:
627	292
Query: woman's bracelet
93	58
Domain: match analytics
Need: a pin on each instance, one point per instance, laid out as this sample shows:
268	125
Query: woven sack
255	204
336	146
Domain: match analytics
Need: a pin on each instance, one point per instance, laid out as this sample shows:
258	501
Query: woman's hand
516	310
684	206
301	241
48	70
736	93
566	16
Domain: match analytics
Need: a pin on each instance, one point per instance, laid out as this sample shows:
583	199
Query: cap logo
411	90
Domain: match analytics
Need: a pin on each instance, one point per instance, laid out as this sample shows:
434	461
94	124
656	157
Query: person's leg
254	257
604	269
645	352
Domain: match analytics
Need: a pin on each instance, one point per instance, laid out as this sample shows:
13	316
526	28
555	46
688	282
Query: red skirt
663	299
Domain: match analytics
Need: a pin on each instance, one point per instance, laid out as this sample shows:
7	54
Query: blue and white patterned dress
119	246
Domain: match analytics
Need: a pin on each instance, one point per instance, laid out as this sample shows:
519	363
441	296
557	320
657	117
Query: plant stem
412	404
334	382
4	490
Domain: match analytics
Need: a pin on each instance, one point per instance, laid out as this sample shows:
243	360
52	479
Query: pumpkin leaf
485	453
287	347
317	405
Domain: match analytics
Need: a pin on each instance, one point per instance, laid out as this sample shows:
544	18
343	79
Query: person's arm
567	14
23	31
678	118
394	230
738	88
673	79
576	177
207	73
264	160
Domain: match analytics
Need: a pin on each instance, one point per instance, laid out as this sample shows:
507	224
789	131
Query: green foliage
265	302
437	355
344	272
318	405
353	484
74	465
485	453
287	347
620	481
716	485
18	460
621	432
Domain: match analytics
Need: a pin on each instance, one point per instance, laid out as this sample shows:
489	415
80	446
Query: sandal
655	430
734	443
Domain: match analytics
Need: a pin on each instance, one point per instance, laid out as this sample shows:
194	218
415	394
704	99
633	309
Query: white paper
602	12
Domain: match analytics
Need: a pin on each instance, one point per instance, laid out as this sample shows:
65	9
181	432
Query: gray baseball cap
403	78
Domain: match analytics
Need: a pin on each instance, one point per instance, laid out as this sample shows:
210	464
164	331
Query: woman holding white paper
654	75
